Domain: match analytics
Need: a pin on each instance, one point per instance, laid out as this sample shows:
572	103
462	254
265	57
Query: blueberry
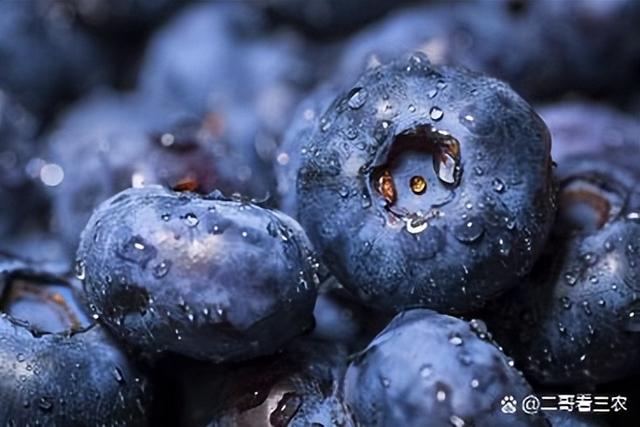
582	127
56	366
299	387
574	320
224	61
427	186
109	142
206	277
558	51
428	366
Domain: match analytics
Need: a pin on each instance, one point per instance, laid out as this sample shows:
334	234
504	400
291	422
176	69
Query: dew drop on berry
436	113
357	98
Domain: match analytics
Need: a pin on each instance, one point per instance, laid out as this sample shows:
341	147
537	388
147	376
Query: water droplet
566	302
633	216
191	219
609	245
469	231
590	258
166	217
498	185
117	374
570	279
138	251
455	340
426	371
436	113
586	308
343	191
80	269
351	133
441	395
161	269
366	201
385	382
432	93
456	421
475	383
446	162
21	357
45	404
357	98
412	108
632	321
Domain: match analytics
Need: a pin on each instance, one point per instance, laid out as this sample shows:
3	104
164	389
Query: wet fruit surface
56	366
427	366
427	186
147	279
574	319
204	276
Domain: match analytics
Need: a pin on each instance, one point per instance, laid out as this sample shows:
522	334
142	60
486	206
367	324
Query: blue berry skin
223	60
475	225
60	376
289	156
579	127
428	366
299	387
574	320
108	142
558	51
206	277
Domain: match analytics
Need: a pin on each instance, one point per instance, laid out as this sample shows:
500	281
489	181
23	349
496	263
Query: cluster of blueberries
319	213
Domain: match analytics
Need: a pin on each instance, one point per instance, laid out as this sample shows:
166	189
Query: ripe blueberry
206	277
56	366
427	186
428	366
576	317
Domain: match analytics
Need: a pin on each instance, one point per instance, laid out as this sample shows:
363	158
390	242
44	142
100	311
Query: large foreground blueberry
427	186
576	318
207	277
56	367
436	370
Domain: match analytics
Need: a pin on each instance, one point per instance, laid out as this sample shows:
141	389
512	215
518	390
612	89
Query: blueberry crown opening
45	306
587	205
421	170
